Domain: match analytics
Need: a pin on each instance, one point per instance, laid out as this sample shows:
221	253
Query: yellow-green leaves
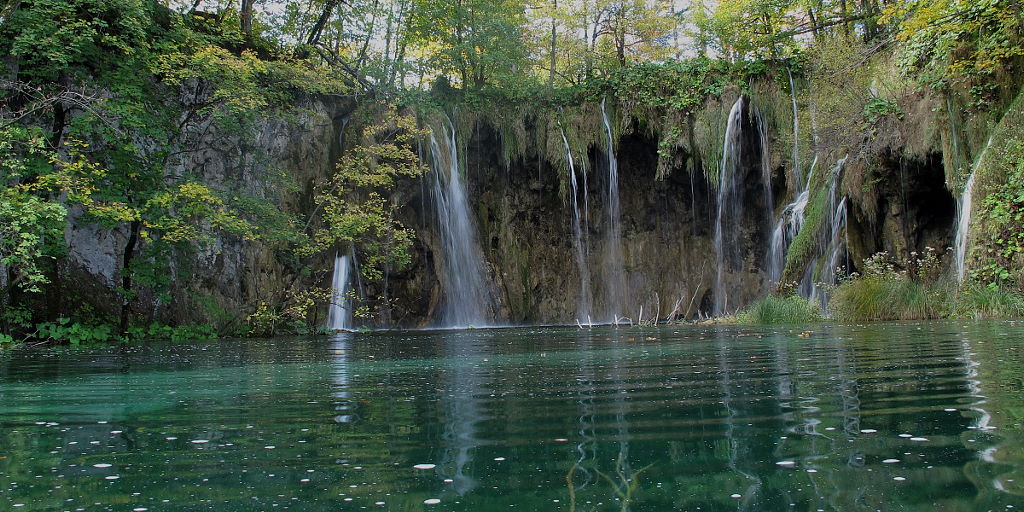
950	41
190	212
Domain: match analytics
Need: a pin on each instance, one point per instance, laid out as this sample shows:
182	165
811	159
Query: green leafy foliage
1002	212
351	205
64	330
947	42
31	232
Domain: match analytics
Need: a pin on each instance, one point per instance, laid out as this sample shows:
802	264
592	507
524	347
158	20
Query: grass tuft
772	310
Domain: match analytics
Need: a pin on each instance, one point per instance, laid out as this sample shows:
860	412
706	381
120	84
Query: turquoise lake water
890	417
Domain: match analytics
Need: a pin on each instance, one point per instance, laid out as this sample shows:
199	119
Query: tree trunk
369	36
870	27
554	40
321	22
845	14
245	15
134	229
814	23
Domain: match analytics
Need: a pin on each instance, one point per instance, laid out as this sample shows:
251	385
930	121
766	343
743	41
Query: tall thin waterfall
465	287
727	218
585	303
963	217
339	310
797	170
613	272
765	163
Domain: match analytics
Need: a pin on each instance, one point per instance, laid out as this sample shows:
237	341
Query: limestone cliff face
896	203
221	282
524	219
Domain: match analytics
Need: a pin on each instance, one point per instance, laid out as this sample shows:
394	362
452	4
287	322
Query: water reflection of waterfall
463	409
749	496
465	288
586	447
341	378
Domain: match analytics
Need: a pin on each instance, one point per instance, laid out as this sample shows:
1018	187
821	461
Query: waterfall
766	176
339	309
613	272
579	242
727	219
797	170
832	243
787	225
790	220
465	287
963	217
729	214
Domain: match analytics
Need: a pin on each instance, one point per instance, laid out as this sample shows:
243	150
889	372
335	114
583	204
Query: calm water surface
880	417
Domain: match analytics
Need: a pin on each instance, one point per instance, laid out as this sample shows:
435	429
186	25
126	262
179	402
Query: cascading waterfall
613	271
465	288
790	220
579	242
726	237
792	216
339	310
963	217
833	243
